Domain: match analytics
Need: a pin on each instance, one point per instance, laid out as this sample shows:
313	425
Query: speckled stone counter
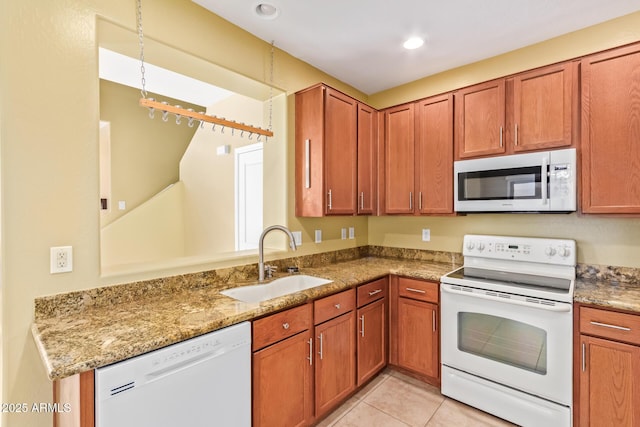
607	286
80	331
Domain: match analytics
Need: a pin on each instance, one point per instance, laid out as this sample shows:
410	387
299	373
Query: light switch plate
318	236
352	232
426	234
343	233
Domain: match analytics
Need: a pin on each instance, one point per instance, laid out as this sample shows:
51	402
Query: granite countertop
100	334
81	331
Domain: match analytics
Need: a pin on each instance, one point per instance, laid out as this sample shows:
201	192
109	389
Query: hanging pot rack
192	115
189	113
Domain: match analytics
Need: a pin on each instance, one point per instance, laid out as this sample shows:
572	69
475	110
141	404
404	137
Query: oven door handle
556	308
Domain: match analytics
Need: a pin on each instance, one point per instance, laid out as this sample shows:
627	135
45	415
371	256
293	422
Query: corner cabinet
607	368
611	131
414	331
530	111
335	135
283	369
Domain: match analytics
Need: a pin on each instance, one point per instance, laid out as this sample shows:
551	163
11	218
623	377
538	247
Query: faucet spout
292	245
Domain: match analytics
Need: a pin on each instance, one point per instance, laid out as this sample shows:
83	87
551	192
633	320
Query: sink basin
274	289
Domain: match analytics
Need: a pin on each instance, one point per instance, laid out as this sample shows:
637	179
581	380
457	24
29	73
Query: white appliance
543	181
204	381
506	336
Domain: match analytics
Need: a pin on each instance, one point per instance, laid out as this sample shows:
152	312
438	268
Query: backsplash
72	302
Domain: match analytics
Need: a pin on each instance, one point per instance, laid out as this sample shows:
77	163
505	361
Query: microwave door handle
544	180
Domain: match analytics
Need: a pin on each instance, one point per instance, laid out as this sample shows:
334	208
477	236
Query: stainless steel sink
276	288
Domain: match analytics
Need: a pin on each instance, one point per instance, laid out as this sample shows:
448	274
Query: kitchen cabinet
336	154
78	392
335	367
367	160
434	155
610	132
608	368
399	155
283	368
534	110
480	119
414	327
372	329
418	157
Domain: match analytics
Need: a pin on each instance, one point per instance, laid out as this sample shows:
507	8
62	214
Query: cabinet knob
285	326
337	306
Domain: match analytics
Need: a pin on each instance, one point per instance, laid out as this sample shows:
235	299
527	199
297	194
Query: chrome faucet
292	245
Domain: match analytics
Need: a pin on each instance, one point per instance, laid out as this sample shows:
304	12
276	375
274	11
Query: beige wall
49	160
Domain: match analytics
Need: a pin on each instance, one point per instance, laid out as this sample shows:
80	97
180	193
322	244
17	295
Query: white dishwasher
204	381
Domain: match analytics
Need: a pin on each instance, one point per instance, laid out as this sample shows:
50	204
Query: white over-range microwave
543	181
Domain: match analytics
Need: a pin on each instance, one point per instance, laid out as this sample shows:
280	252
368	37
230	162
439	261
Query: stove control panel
528	249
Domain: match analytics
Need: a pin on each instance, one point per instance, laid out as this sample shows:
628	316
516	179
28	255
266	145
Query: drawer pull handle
606	325
419	291
377	291
337	306
285	326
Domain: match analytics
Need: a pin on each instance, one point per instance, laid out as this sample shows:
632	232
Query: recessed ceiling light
413	43
266	11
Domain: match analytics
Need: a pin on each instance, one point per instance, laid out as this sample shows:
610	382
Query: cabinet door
480	118
418	337
434	155
367	159
399	155
609	383
543	102
340	153
335	362
282	383
372	342
611	131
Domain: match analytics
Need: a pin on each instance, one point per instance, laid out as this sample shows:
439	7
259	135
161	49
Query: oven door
520	342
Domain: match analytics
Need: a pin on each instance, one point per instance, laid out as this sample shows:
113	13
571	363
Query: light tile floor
397	400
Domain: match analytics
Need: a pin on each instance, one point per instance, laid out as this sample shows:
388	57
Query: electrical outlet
122	205
352	232
426	234
343	233
318	236
297	237
61	258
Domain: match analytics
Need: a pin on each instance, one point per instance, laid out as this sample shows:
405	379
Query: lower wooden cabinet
414	327
371	329
283	369
335	370
608	368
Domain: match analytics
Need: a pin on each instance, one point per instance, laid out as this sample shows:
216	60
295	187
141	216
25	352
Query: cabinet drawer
418	289
334	305
610	324
373	291
279	326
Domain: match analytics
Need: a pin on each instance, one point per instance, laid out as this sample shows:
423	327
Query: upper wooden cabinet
418	157
480	119
399	155
367	160
434	155
611	132
545	110
530	111
336	154
326	152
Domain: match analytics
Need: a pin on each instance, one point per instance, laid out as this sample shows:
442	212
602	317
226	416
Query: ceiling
360	41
